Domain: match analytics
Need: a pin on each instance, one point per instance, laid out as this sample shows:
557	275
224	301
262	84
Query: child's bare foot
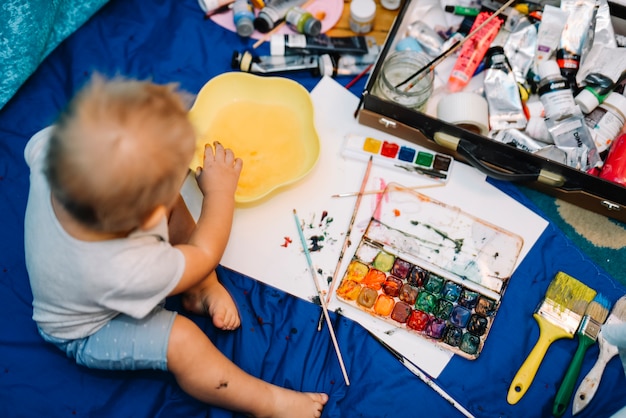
211	298
292	404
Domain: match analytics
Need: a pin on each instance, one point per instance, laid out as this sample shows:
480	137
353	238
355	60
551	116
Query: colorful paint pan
430	269
399	154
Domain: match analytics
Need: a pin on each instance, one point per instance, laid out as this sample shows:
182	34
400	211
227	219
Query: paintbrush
305	248
558	316
595	315
424	378
589	385
346	239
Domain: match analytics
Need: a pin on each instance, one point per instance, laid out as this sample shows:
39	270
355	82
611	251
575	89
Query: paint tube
518	140
301	44
348	64
581	14
273	12
473	51
432	12
268	64
430	40
604	33
552	153
571	135
548	35
603	69
520	45
502	93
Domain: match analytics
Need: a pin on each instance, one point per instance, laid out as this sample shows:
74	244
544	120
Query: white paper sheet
264	242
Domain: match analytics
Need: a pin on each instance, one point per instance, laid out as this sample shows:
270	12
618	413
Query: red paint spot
396	212
332	382
287	242
287	338
259	320
389	149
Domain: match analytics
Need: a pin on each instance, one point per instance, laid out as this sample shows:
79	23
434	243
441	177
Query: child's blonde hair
120	150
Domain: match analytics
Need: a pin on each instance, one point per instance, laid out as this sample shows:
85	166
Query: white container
606	121
362	14
554	91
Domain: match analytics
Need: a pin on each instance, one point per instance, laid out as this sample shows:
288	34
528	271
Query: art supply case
496	159
431	269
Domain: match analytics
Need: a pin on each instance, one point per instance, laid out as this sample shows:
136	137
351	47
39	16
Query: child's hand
220	172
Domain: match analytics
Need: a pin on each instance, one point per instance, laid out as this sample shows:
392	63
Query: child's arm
218	182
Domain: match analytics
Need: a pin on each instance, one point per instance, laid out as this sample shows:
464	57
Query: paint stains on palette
409	277
404	156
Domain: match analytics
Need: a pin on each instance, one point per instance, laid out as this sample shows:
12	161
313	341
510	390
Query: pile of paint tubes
321	55
553	75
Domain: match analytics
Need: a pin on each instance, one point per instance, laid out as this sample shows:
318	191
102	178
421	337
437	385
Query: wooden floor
382	23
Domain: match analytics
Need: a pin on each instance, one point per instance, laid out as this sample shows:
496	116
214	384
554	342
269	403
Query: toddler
108	238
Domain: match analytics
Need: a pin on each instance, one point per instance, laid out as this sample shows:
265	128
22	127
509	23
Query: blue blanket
166	41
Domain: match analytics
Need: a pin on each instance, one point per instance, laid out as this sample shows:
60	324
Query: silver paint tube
430	40
519	140
348	64
580	18
520	47
502	92
604	32
572	136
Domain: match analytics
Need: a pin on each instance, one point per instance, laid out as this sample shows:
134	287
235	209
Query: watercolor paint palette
431	269
399	154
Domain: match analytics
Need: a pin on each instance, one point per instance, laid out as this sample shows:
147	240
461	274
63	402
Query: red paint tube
614	168
473	51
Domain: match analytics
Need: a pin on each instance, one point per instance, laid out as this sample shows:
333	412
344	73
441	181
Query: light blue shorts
124	343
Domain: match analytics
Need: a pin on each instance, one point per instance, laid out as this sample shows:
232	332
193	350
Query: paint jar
606	121
302	21
398	67
362	13
243	17
391	4
614	168
274	12
554	91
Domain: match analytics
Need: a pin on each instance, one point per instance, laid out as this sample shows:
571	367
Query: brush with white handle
589	385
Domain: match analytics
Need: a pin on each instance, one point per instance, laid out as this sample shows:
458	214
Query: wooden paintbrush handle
588	387
564	395
548	333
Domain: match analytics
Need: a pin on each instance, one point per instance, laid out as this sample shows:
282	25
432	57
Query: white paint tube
552	23
269	64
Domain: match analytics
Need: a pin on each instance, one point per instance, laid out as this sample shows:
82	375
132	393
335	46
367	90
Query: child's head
120	150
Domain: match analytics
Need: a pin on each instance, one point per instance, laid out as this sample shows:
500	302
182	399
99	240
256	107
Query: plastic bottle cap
616	101
587	101
277	45
263	23
325	64
362	10
245	27
549	69
313	27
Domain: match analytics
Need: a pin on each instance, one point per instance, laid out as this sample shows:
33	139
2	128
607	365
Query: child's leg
209	297
206	374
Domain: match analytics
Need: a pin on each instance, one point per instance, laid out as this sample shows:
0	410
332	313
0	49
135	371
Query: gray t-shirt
79	286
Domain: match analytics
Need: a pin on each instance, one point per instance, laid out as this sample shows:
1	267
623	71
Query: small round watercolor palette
418	299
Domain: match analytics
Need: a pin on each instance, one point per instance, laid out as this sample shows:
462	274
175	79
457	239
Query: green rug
601	238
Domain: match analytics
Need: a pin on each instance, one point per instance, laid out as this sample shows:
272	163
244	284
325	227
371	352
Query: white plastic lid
277	45
362	10
325	64
617	101
587	101
548	69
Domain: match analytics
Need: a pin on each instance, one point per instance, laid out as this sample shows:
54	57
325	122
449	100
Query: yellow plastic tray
267	121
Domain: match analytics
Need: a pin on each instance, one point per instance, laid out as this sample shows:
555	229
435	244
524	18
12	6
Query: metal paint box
496	159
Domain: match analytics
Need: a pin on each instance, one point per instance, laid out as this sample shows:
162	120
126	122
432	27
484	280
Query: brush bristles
598	309
570	293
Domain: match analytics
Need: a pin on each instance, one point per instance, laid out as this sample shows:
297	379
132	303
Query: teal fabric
30	30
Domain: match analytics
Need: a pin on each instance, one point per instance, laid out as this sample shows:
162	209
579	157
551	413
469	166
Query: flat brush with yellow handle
558	316
595	315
